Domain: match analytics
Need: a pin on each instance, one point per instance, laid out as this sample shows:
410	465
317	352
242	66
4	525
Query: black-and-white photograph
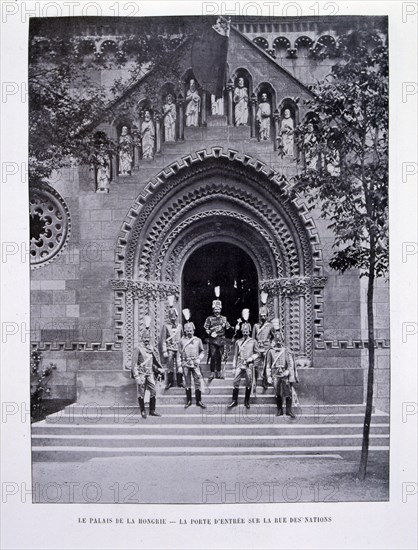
209	259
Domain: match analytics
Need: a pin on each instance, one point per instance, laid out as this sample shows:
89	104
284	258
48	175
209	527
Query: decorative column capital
150	290
292	285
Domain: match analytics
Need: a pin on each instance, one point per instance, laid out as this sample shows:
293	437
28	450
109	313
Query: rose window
49	224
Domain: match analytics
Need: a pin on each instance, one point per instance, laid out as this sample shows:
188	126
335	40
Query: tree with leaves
344	145
66	99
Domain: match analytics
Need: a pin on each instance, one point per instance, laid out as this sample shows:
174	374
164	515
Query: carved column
180	102
137	147
204	100
296	312
253	102
276	116
230	88
302	323
157	118
129	328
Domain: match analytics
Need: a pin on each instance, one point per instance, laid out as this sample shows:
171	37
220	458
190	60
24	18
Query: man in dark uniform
216	326
263	332
191	353
281	371
145	365
170	339
245	353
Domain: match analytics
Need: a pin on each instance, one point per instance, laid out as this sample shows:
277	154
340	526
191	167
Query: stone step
122	440
141	426
93	408
92	413
67	453
193	415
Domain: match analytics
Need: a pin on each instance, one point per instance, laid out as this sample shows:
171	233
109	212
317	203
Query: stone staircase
85	431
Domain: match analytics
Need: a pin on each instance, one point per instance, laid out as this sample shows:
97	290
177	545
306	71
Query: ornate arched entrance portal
208	198
225	265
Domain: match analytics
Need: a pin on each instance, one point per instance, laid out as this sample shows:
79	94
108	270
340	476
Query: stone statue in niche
125	153
103	168
287	129
192	105
241	103
217	105
310	146
148	136
263	118
170	117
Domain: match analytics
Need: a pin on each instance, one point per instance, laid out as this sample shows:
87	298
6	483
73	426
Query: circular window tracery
50	224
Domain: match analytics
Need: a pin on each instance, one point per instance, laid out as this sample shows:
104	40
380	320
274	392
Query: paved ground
208	480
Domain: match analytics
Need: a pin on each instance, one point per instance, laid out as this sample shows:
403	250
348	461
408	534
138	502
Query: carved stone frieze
147	289
292	285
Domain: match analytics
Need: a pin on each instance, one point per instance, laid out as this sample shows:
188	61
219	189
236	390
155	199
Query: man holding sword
245	353
191	353
145	366
216	326
170	339
281	371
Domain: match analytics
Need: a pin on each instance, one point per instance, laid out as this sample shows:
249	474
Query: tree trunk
370	378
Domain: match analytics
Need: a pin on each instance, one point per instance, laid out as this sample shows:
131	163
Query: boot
234	402
289	411
211	376
170	381
142	407
188	398
247	398
180	380
199	399
279	402
152	407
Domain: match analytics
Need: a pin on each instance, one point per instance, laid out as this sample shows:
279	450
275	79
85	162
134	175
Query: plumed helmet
189	325
246	325
264	311
172	312
216	303
277	327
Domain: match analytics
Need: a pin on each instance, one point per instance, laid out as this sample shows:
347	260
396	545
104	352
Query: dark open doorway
225	265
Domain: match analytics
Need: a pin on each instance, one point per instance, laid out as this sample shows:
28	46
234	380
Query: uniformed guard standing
281	371
245	353
145	365
170	339
263	332
216	326
191	353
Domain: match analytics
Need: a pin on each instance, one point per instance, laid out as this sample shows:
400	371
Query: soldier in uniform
170	339
281	371
245	353
216	326
263	332
191	353
145	365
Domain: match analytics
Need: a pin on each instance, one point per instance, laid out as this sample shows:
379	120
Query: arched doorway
218	197
225	265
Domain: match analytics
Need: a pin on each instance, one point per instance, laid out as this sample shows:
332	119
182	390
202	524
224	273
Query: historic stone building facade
134	229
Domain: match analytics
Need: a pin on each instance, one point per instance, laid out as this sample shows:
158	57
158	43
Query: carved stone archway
205	198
